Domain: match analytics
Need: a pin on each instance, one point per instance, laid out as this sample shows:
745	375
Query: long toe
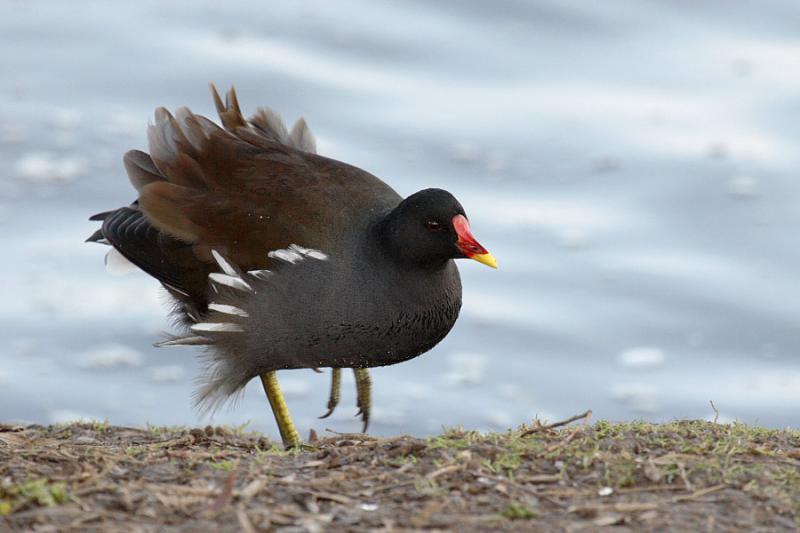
364	392
333	397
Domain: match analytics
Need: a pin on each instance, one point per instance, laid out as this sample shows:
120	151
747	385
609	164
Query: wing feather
141	170
302	138
245	188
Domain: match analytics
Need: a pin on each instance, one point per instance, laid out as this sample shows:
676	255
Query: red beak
468	245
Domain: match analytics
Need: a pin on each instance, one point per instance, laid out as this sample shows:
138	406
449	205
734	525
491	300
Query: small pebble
605	491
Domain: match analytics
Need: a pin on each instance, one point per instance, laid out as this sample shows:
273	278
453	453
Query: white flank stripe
234	282
224	264
260	274
290	256
309	252
228	310
217	327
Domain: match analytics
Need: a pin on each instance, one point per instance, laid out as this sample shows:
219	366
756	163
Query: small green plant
454	438
241	429
38	491
403	460
100	427
504	464
428	487
519	511
227	466
135	450
159	431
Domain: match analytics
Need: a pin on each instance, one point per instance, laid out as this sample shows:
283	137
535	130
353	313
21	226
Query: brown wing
249	188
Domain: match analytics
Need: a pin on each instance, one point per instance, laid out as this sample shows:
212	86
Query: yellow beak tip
486	259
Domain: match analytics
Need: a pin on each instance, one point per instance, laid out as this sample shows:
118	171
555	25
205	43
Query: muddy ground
687	476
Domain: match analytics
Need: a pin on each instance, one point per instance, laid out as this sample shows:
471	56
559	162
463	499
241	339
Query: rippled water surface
632	165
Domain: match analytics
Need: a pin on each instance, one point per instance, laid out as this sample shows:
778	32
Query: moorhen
279	258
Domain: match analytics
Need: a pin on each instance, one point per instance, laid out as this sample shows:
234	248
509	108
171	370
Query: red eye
432	225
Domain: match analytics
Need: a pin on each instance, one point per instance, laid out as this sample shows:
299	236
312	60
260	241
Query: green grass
493	472
519	511
40	492
226	466
616	454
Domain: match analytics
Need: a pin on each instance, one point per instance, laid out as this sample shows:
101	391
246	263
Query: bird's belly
383	342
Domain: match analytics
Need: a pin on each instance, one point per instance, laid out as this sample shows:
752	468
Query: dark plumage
313	262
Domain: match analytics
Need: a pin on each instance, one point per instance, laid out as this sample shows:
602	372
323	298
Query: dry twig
225	497
587	417
544	427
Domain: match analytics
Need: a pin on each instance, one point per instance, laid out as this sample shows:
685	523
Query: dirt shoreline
686	475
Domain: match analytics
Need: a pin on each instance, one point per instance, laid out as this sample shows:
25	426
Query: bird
278	258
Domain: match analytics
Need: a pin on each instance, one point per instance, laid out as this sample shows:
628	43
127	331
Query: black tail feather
97	236
101	216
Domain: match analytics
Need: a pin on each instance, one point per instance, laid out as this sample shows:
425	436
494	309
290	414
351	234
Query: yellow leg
289	434
364	391
336	386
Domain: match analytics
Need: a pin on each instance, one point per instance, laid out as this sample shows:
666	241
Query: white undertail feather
117	264
234	282
226	327
228	310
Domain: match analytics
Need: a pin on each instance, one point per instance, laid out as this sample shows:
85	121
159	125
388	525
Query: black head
430	227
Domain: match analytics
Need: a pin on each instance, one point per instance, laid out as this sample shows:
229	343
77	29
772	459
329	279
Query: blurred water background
631	164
